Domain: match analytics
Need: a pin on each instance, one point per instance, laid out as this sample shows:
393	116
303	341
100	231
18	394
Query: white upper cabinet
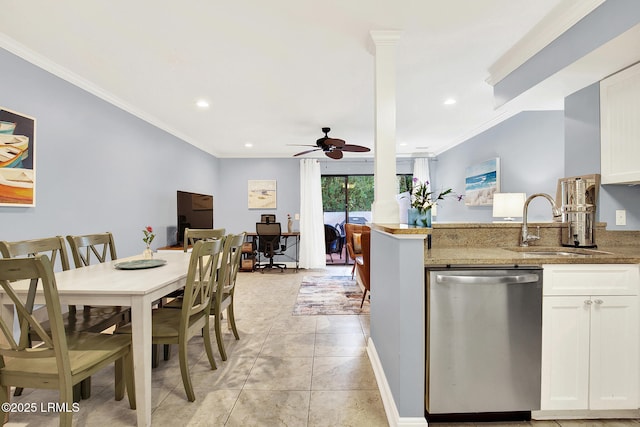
620	127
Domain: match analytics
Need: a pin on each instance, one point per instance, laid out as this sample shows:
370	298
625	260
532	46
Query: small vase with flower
147	239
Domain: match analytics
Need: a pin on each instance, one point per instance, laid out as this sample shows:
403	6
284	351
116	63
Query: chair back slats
85	248
38	270
53	247
192	235
230	264
200	279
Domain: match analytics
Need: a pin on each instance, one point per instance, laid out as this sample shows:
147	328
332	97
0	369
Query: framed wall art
481	181
262	194
17	159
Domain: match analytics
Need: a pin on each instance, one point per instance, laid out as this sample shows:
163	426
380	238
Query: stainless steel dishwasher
484	333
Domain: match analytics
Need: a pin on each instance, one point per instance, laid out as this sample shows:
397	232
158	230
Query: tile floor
284	371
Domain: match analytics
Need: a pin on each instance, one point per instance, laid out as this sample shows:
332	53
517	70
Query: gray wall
531	150
582	156
234	214
98	168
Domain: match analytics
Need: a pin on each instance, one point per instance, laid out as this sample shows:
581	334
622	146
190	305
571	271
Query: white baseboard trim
393	417
585	414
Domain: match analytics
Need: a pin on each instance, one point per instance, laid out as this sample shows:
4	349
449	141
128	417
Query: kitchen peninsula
398	311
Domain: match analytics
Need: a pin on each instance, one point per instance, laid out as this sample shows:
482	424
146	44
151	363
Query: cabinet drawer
591	279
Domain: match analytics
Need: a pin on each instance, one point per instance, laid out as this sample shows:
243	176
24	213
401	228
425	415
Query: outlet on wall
621	217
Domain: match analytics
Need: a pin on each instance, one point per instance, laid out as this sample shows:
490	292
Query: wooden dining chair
58	361
56	249
192	235
88	249
354	244
171	326
223	297
363	263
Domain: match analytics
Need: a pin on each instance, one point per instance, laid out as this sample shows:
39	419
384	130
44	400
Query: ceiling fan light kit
333	147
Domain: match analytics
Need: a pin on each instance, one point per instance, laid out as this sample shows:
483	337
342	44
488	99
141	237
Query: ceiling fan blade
301	145
335	142
335	154
355	148
306	152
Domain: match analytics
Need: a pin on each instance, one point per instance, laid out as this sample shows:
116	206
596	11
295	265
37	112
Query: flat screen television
194	211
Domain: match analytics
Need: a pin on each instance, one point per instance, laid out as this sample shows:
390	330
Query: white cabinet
620	127
590	341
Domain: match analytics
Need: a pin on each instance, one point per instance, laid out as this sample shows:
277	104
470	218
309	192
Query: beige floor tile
338	325
346	408
287	324
211	408
342	373
340	345
270	408
280	373
289	345
598	423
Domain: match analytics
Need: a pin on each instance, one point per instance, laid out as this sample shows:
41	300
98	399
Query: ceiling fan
333	147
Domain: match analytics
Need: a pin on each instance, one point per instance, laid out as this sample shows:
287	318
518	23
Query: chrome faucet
525	236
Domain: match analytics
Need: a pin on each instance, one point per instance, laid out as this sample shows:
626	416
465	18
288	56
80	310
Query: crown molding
554	24
385	37
46	64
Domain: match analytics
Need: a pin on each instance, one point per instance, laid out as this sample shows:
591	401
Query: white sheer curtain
312	253
421	172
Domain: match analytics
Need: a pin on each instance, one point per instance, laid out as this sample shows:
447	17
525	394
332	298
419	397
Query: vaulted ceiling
275	72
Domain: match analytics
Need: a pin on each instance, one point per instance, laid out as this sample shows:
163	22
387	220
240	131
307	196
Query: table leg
141	335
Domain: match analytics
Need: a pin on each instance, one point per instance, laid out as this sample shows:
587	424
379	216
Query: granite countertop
486	244
515	256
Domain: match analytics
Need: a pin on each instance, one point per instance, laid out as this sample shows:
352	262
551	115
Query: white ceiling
277	71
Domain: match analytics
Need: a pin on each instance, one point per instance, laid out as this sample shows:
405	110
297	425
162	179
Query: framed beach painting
481	181
262	194
17	159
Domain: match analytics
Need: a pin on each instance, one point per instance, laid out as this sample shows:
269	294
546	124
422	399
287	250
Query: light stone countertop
487	244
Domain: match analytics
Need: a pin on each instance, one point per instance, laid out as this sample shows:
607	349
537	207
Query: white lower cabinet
590	345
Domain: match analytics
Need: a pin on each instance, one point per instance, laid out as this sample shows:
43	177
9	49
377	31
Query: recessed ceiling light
248	145
449	101
202	104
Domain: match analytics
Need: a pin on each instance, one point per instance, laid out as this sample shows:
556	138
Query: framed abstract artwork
481	181
17	159
262	194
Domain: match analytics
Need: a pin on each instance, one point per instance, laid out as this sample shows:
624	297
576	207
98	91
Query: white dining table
104	284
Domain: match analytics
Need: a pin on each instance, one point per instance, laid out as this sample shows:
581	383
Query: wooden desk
103	284
251	236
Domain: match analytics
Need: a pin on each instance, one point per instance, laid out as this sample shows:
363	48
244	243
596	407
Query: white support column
385	208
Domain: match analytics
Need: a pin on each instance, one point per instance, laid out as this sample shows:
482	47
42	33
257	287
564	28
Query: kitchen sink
559	252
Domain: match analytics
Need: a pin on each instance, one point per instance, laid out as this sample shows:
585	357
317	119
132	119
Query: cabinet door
565	352
614	353
620	127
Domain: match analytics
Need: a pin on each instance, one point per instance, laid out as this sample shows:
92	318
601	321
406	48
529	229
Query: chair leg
128	375
218	327
167	351
67	396
208	347
155	355
18	391
231	318
363	295
119	379
353	269
184	370
85	388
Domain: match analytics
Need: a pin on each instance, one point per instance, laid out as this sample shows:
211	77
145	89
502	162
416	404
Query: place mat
329	295
138	264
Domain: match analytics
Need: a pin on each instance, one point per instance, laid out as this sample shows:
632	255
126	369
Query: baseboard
390	409
585	414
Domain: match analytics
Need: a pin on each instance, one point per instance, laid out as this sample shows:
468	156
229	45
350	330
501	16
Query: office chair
269	235
268	218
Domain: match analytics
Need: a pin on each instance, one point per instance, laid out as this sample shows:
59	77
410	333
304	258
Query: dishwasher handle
487	280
